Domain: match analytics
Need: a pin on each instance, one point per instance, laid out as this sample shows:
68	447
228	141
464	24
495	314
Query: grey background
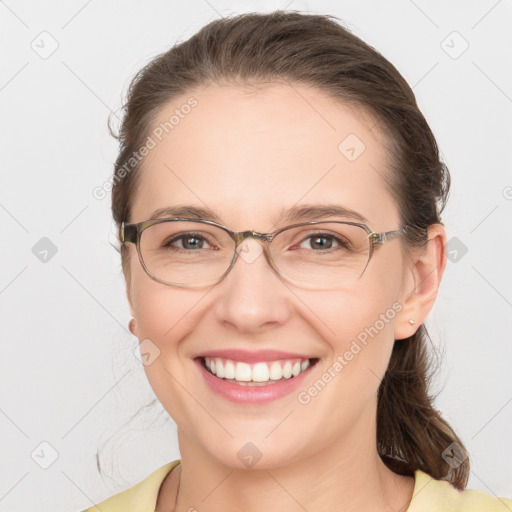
69	377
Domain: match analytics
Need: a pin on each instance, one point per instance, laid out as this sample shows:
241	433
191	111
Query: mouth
257	374
247	377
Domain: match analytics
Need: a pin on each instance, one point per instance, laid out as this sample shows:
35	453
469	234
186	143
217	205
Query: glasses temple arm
380	238
128	233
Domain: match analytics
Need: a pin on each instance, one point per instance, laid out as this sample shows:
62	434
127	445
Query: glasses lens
320	256
186	253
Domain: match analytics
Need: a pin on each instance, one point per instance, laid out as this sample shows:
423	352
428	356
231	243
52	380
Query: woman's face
248	155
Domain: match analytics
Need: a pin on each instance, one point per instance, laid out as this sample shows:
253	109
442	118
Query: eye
188	241
323	242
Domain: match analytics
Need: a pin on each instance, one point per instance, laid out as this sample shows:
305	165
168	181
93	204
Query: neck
349	476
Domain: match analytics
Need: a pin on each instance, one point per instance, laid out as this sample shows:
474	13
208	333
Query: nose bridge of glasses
242	235
250	252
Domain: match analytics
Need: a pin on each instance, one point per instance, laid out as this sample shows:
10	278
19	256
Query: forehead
250	152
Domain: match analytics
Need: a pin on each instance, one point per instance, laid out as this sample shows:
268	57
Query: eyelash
343	243
183	236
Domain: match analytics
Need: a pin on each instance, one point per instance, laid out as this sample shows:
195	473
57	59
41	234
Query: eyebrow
186	211
318	211
294	214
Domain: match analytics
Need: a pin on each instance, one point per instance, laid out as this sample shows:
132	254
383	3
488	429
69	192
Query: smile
260	373
258	382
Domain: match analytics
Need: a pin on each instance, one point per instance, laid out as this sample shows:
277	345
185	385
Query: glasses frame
132	233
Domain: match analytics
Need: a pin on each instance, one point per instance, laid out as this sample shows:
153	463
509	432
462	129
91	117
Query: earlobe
132	323
421	283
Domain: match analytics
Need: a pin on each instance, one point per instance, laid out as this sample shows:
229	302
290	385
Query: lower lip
252	394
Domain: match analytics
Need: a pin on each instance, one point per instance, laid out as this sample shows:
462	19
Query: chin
256	454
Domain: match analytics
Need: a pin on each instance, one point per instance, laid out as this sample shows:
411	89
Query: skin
248	153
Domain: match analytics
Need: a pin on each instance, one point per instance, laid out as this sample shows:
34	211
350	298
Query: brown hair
317	51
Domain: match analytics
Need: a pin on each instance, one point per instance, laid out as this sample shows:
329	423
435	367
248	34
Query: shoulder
141	497
438	495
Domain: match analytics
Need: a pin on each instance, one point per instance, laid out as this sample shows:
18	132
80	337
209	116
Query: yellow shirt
429	495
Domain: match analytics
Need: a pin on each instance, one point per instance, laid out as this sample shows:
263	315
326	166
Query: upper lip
253	356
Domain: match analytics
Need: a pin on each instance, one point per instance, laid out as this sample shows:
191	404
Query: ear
132	324
421	283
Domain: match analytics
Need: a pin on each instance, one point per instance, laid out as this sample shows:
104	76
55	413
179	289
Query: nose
252	298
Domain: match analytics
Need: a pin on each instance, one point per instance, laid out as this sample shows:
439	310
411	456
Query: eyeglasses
317	255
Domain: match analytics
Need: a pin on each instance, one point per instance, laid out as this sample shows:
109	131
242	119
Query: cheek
162	311
341	316
164	317
357	327
163	314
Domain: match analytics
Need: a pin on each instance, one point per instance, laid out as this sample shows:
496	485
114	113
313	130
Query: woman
278	196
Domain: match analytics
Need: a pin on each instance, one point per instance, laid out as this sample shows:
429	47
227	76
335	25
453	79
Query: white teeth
229	370
220	369
242	372
276	372
287	370
259	372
